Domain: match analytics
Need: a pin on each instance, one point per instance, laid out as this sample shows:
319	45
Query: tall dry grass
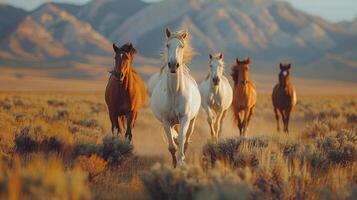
60	144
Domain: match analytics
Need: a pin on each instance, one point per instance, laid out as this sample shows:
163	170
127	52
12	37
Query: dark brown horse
244	95
125	93
284	96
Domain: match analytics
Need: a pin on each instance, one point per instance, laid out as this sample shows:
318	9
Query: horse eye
167	46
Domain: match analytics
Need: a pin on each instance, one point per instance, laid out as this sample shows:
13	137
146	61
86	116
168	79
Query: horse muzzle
216	81
173	66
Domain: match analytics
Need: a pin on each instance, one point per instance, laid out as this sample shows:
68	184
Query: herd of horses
176	98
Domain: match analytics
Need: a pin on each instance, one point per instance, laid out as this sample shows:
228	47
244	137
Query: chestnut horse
284	96
244	95
125	93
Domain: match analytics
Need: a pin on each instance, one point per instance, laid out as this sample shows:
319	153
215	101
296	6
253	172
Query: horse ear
168	32
281	66
132	49
237	60
289	66
247	60
220	56
184	35
115	48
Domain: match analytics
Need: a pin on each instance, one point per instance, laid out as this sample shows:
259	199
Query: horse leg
287	115
130	124
184	125
189	133
210	120
245	121
172	147
277	119
221	122
240	124
114	121
251	111
282	113
218	123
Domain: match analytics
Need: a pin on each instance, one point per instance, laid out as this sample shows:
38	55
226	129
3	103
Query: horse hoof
181	163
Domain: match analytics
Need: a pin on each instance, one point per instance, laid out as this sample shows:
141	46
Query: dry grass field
57	145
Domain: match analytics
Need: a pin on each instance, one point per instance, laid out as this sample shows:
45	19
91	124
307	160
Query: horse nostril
177	65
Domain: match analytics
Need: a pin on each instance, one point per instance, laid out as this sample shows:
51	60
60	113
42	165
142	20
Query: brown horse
244	95
125	93
284	96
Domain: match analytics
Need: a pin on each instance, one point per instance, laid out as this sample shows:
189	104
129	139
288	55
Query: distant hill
50	33
264	29
269	31
107	15
9	18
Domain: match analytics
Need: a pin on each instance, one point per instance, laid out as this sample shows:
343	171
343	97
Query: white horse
217	94
175	98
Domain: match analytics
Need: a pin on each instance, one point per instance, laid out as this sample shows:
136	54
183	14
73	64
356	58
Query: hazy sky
333	10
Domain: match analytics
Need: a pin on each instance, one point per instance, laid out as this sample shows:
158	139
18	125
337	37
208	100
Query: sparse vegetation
65	136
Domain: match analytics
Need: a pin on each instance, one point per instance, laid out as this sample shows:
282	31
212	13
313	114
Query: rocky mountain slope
270	31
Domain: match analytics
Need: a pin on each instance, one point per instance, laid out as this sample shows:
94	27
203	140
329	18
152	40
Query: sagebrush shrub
191	182
235	151
92	164
42	178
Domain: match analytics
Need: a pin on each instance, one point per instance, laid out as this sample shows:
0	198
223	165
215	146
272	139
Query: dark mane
235	73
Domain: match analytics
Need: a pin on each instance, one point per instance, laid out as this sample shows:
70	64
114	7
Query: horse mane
188	51
235	73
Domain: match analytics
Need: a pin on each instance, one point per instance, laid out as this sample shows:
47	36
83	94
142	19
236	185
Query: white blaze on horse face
216	68
175	49
285	73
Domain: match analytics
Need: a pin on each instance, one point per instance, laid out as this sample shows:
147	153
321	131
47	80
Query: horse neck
128	80
285	83
175	81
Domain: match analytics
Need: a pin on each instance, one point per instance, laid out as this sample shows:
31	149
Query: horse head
123	60
284	74
240	71
175	46
216	65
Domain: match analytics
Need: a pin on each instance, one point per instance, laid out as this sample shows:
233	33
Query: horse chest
215	101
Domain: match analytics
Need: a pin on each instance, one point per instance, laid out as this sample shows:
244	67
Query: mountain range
269	31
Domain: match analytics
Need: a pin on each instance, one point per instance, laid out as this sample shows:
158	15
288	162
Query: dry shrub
237	152
340	148
191	182
93	164
56	103
89	123
33	139
316	129
42	179
87	149
115	150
